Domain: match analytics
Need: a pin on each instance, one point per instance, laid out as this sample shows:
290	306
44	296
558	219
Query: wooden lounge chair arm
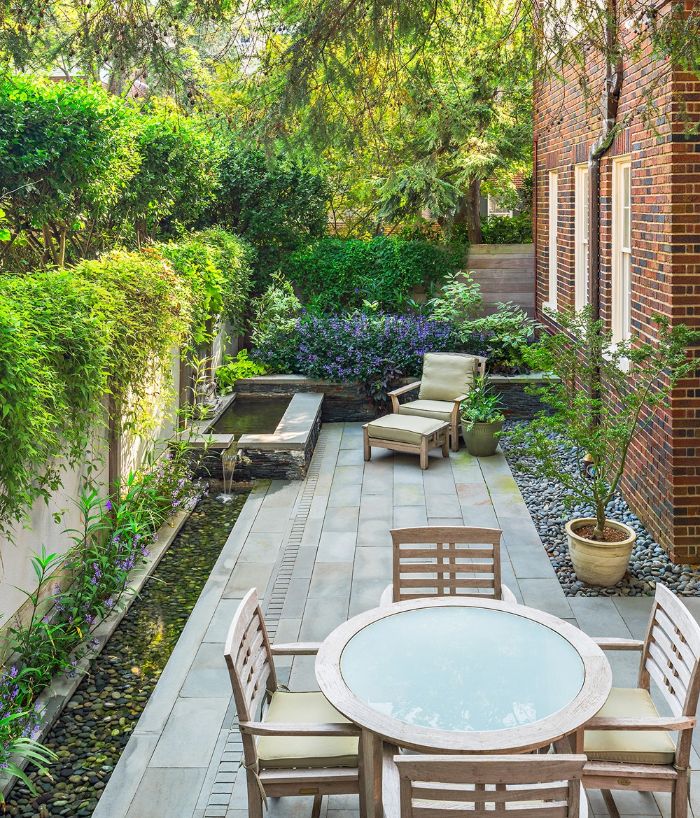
641	723
295	648
460	398
612	643
402	389
271	728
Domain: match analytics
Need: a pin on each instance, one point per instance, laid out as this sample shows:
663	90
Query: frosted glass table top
462	668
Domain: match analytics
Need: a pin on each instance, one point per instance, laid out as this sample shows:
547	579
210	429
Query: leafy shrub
274	335
177	177
458	300
482	405
277	204
373	349
235	368
502	337
66	155
53	364
507	229
335	274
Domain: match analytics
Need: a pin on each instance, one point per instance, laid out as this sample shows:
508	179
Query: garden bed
649	562
94	728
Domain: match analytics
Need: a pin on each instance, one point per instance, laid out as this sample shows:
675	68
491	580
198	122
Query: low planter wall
347	401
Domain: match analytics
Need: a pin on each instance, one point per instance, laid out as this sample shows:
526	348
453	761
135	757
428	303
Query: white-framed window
553	228
621	248
581	224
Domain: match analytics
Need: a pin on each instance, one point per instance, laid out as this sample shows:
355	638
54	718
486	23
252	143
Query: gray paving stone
248	575
295	600
405	516
261	546
372	563
190	734
343	518
331	579
344	495
171	792
208	676
374	533
306	557
220	622
348	475
547	595
409	494
321	616
336	546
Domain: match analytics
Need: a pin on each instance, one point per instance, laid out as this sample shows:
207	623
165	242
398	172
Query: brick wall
662	483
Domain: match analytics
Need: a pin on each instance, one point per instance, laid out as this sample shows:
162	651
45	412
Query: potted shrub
604	393
482	420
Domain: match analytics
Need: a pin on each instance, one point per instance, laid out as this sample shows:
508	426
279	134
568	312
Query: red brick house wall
662	483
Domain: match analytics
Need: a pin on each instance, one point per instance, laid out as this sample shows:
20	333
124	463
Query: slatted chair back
535	786
446	561
671	658
250	664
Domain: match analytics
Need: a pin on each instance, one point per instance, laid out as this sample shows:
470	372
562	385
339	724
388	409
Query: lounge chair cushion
402	428
438	409
629	746
305	751
446	376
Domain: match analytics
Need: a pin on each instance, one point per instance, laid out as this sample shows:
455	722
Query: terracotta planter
599	563
480	438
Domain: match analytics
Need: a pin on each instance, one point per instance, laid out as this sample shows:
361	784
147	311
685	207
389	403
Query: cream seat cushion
438	409
446	376
402	428
305	751
629	746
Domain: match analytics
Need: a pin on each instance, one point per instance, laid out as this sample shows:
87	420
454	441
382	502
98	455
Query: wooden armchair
532	786
446	561
300	745
446	379
628	744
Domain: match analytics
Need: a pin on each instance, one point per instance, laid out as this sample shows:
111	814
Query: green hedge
507	229
104	326
337	274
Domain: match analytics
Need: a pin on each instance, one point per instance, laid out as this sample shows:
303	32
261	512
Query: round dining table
460	675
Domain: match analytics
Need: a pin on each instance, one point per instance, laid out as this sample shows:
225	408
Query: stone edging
54	698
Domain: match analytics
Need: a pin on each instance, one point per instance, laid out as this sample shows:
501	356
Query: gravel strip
649	562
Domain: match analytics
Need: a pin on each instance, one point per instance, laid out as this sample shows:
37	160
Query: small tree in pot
482	419
605	393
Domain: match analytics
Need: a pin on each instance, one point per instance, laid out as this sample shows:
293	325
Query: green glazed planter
480	439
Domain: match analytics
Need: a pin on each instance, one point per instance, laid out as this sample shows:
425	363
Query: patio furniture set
431	421
451	698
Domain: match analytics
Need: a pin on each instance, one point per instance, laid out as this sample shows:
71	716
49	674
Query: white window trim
619	249
553	239
581	236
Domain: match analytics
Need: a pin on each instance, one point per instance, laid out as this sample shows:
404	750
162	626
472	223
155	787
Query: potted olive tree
482	419
604	394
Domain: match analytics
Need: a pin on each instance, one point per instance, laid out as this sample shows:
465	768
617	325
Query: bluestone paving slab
295	600
344	495
547	595
343	518
261	547
207	677
321	616
374	534
221	620
336	546
405	516
443	505
331	579
171	792
249	575
306	557
190	733
127	775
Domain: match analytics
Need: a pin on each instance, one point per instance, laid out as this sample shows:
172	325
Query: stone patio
320	551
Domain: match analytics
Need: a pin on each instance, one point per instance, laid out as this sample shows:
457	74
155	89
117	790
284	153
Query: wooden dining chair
446	561
532	786
628	744
293	743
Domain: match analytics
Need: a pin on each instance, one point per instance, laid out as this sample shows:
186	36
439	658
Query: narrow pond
95	727
251	416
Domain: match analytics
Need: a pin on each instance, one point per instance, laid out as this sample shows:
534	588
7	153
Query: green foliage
234	368
145	311
482	404
275	315
277	204
15	745
507	229
73	594
605	393
65	155
53	372
178	172
458	301
234	257
335	274
504	335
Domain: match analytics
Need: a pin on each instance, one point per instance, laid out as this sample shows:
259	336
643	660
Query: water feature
94	729
251	416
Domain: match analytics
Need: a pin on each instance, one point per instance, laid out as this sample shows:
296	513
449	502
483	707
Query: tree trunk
468	212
